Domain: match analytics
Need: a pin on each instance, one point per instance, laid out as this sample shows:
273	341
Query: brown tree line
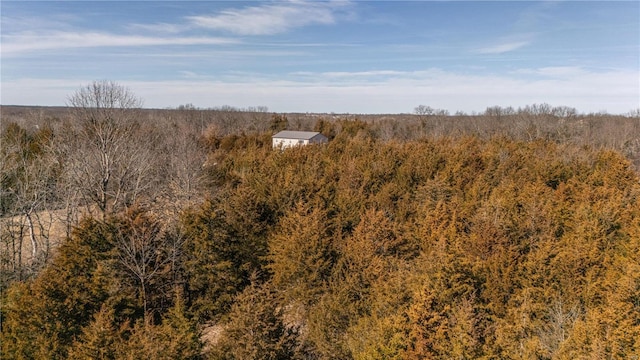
507	235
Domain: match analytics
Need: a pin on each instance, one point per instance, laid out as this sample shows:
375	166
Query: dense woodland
181	234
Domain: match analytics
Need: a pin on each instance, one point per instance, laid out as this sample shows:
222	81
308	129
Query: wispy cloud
558	72
60	22
25	42
562	71
363	74
524	30
503	47
166	28
271	18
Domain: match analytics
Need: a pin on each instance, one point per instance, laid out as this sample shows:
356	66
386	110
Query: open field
34	239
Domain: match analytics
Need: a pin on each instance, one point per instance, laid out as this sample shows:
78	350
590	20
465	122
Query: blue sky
327	56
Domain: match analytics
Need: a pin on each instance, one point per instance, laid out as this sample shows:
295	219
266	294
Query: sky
337	56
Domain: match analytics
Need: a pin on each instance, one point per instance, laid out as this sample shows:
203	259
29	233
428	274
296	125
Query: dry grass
50	229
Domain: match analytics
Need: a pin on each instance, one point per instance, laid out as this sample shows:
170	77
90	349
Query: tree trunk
144	299
32	235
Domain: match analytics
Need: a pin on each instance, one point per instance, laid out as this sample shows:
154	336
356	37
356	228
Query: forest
131	233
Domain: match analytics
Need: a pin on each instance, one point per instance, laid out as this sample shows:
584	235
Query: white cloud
25	42
60	22
159	27
188	74
33	91
270	19
363	74
615	91
561	71
552	71
503	48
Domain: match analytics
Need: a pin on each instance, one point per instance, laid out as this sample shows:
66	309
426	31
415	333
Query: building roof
299	135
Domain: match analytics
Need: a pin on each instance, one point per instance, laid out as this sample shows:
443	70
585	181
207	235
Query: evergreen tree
257	329
101	339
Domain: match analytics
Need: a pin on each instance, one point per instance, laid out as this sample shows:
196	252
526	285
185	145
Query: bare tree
27	184
424	110
145	251
558	325
186	160
108	158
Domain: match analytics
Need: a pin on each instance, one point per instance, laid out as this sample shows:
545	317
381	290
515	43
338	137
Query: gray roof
299	135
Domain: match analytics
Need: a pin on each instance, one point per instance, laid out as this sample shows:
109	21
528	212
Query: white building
286	138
